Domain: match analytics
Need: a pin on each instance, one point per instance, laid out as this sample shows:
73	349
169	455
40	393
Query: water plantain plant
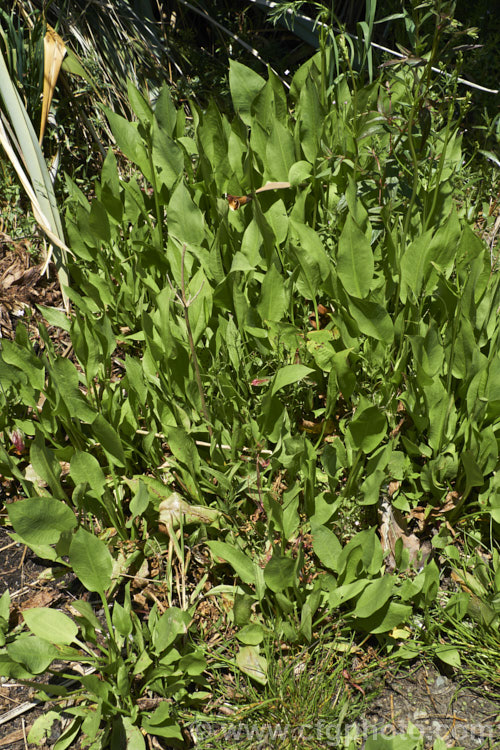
253	371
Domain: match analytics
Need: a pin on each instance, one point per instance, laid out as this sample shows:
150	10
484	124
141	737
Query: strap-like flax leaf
37	183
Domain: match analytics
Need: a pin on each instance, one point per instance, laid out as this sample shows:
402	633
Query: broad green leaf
128	735
51	625
368	429
165	111
466	351
4	610
357	210
346	592
326	546
240	263
311	255
373	319
273	299
140	106
320	345
414	265
70	733
239	561
396	742
428	351
289	374
252	664
139	502
470	246
245	84
473	474
41	520
121	619
280	109
385	619
64	376
193	664
46	466
111	193
185	220
374	596
439	408
25	360
277	218
251	244
280	152
167	157
55	317
91	560
109	439
144	660
449	654
279	573
311	117
242	609
312	67
161	713
41	728
259	136
34	653
263	110
84	467
364	548
355	265
200	310
170	625
129	141
87	612
299	172
430	586
169	730
135	377
213	134
251	635
443	248
183	447
98	222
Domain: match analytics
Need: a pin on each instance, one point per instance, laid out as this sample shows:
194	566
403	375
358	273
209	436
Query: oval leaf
250	663
41	520
374	596
368	429
326	546
241	563
354	260
279	573
289	374
51	625
91	561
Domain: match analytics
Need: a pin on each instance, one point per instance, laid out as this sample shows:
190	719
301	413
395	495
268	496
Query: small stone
441	681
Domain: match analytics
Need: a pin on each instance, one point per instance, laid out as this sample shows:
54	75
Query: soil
439	707
20	575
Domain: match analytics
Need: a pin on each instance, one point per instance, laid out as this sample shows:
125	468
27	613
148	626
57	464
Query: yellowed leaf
54	50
